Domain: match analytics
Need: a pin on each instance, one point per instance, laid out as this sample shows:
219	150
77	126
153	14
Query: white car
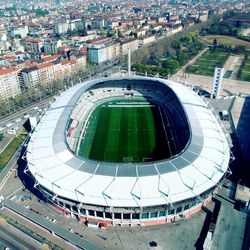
1	129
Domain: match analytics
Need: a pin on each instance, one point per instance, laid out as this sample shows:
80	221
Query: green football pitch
126	131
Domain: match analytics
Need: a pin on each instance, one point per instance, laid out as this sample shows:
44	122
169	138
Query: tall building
61	28
50	47
97	54
9	83
29	77
218	74
34	44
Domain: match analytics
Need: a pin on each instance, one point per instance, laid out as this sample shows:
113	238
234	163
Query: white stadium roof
199	167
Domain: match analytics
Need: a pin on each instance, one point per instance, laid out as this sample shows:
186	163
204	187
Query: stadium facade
125	193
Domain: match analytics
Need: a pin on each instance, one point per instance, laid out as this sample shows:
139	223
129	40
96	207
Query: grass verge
8	152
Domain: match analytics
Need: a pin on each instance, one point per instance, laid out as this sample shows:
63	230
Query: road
41	221
5	171
11	117
230	225
14	239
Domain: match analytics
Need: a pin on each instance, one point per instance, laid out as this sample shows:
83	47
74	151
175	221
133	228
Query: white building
218	74
118	193
61	28
22	31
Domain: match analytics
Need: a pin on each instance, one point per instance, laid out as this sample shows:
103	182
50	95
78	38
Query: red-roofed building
34	44
52	58
62	50
46	73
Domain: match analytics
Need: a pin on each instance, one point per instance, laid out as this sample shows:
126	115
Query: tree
110	34
176	45
41	12
215	43
119	34
18	36
182	58
171	64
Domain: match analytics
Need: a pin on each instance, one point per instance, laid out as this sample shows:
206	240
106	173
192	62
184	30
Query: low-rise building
141	33
146	39
203	17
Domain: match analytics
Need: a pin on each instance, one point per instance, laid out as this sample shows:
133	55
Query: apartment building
81	61
20	30
131	44
9	83
34	44
50	46
146	40
29	77
112	51
97	54
46	73
61	28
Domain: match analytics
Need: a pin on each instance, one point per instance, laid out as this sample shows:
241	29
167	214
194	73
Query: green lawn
227	74
245	71
10	150
207	62
226	40
125	131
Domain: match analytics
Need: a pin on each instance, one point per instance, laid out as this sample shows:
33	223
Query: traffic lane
4	243
14	240
43	103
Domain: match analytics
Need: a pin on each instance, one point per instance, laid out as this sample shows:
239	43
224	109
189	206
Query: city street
14	239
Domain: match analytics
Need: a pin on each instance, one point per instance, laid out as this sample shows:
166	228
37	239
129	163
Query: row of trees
162	46
177	54
29	97
163	57
172	52
225	27
222	28
238	49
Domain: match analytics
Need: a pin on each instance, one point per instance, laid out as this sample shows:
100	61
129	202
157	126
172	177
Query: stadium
128	151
